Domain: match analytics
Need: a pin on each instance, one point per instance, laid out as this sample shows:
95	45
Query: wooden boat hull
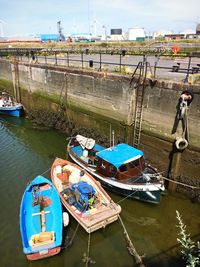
92	219
146	192
41	220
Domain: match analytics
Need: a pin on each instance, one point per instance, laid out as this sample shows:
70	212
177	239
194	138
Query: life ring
181	143
175	49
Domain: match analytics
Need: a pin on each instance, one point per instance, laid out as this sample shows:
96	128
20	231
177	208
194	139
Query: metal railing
163	62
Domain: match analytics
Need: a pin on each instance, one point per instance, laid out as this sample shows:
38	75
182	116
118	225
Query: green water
26	152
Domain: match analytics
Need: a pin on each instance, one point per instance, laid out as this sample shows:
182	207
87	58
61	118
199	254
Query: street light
1	28
105	33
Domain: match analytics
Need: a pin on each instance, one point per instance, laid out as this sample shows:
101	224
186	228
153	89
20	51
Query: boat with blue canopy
41	220
120	168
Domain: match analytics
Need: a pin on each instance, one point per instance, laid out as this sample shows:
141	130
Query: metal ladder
140	85
63	94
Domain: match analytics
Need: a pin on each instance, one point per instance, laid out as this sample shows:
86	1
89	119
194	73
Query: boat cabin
122	162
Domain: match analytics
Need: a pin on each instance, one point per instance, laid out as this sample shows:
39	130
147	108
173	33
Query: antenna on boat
110	133
113	135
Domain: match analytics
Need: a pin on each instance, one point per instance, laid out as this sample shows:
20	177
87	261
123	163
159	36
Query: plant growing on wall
190	251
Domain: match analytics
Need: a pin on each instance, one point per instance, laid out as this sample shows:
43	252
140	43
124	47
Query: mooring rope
88	250
86	256
183	184
130	246
164	178
127	197
71	240
185	131
46	171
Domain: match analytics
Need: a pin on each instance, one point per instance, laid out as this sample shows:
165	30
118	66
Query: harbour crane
60	34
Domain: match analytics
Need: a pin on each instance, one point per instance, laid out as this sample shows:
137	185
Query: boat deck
102	212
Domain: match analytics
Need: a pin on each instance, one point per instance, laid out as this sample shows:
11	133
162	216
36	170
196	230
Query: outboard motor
86	193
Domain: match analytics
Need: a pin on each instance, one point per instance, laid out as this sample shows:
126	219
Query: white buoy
65	219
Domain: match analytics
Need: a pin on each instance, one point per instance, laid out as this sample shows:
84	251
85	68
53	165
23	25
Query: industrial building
116	35
52	37
136	34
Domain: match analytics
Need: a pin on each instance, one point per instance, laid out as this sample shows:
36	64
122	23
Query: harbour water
27	151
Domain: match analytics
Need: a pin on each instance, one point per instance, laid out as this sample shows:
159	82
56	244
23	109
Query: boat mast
113	135
110	134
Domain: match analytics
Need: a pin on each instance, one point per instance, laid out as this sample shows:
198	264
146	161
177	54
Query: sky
31	17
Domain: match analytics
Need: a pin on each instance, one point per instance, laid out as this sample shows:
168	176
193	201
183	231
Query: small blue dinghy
41	220
10	107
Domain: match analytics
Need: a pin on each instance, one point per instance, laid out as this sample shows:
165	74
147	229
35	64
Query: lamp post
89	16
1	28
105	32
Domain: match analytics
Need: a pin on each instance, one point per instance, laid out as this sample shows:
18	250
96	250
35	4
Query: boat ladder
63	94
139	85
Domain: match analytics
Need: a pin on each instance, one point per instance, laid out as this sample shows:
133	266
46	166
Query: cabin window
123	168
96	161
134	163
113	169
142	162
91	153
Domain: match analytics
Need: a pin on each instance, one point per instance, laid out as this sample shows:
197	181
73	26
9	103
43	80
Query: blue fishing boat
41	220
10	107
120	168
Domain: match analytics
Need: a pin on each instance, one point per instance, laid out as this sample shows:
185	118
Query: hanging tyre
181	143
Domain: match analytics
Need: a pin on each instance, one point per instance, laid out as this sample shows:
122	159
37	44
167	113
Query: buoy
65	219
181	143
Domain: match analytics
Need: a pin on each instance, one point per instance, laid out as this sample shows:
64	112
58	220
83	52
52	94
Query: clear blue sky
26	17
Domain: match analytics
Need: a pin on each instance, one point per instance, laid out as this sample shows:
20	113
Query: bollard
91	63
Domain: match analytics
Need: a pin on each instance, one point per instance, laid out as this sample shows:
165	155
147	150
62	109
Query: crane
60	35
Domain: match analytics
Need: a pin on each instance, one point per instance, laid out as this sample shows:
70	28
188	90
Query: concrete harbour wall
98	100
108	95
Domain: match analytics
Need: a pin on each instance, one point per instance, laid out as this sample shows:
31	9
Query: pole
113	135
100	61
56	62
89	16
120	63
175	168
82	59
188	70
68	59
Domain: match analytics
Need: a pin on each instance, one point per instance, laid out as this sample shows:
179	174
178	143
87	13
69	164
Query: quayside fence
162	60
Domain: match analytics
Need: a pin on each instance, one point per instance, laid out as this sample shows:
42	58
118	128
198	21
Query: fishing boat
10	107
41	220
120	168
83	196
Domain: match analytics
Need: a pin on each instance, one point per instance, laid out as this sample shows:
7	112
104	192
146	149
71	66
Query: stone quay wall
106	97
